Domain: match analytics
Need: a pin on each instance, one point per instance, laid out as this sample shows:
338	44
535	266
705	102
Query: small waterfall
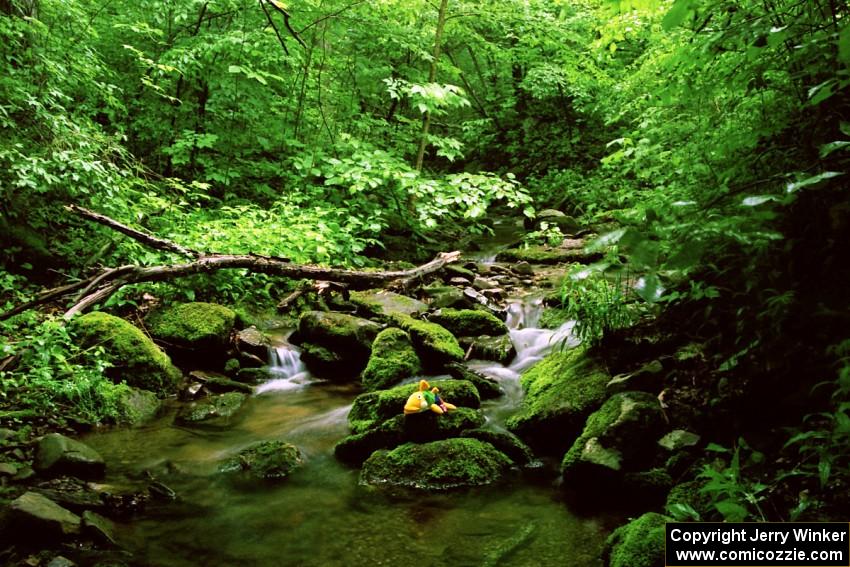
524	313
532	345
287	369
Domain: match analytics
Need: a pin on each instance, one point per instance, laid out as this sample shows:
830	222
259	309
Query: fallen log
105	282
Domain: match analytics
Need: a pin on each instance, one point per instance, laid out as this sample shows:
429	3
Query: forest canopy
705	143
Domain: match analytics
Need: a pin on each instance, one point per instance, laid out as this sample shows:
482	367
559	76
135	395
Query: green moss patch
434	343
266	460
439	465
640	543
134	357
194	326
381	304
393	359
469	322
560	392
371	409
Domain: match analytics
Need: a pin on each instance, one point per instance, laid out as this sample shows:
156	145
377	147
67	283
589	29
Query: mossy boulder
382	304
640	543
392	360
266	460
443	296
434	343
135	358
59	455
504	441
469	322
618	438
690	495
417	428
439	465
488	388
373	408
498	349
560	392
338	344
137	407
215	410
196	331
548	255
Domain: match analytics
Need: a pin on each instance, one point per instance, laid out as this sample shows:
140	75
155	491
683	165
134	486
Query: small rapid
532	344
287	369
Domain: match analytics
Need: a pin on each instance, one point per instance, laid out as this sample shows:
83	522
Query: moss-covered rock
339	344
690	494
504	441
215	410
434	343
373	408
254	375
488	388
618	438
498	349
266	460
439	465
392	360
640	543
547	255
469	322
135	358
219	383
417	428
137	407
382	304
560	392
202	328
443	296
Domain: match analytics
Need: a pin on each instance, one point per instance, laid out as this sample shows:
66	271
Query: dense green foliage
706	142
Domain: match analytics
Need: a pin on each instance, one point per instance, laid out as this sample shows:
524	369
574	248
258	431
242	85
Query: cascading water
531	344
287	369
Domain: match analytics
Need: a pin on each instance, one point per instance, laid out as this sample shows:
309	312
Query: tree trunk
432	77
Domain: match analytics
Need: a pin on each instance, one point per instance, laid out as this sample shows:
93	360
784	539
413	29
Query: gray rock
60	561
34	515
137	407
98	528
216	410
679	439
523	268
253	341
60	455
617	438
8	469
219	383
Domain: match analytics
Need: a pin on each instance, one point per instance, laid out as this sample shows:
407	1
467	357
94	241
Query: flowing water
320	515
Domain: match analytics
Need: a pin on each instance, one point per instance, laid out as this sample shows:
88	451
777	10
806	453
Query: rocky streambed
288	446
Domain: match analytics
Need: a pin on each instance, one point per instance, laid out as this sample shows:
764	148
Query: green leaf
758	200
827	149
824	469
844	45
809	181
731	510
676	15
714	447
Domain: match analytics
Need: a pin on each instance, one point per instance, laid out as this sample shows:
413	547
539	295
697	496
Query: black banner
803	544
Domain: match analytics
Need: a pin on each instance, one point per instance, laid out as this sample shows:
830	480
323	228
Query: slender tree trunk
432	77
